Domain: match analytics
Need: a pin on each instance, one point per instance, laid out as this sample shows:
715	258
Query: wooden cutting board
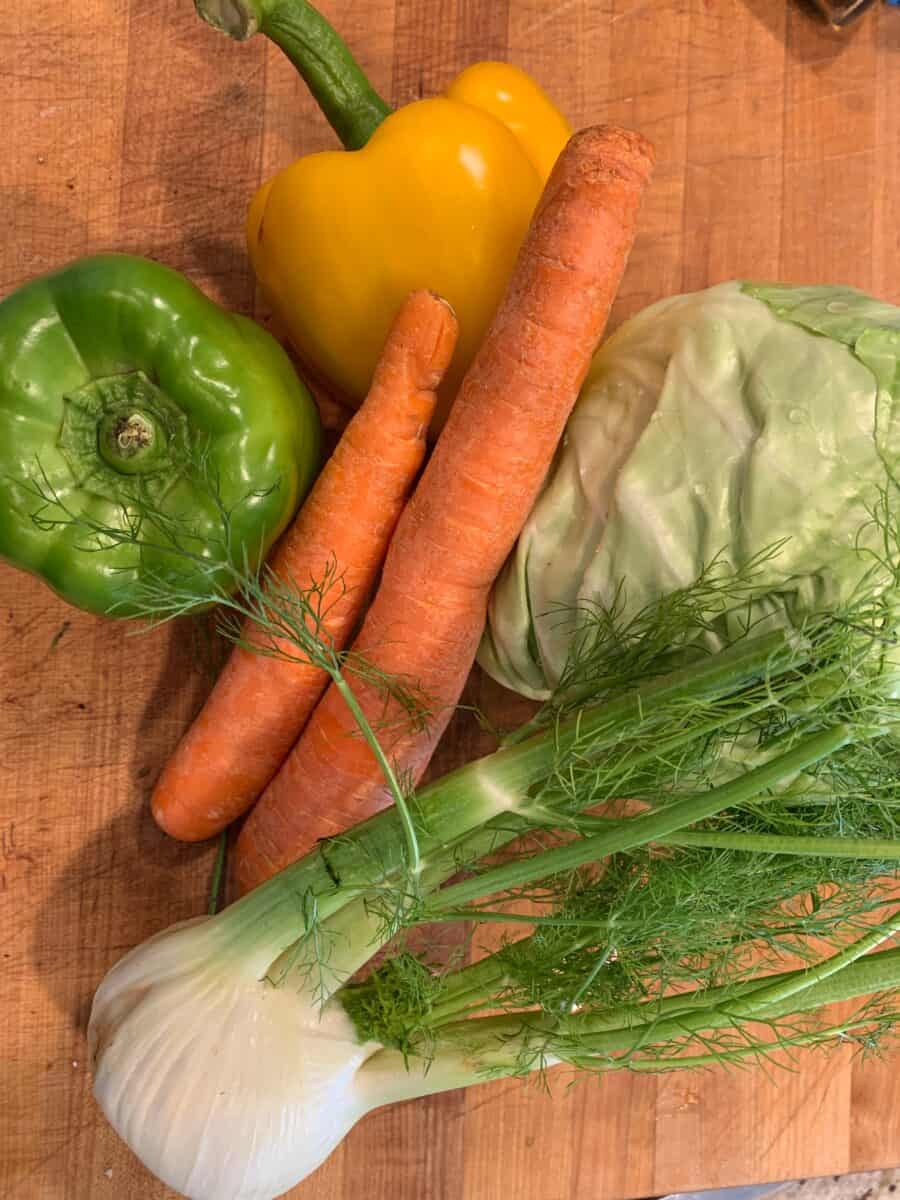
129	125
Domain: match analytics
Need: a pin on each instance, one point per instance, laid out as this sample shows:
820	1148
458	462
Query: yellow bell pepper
438	194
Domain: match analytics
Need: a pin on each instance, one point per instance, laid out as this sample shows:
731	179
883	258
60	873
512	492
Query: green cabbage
712	424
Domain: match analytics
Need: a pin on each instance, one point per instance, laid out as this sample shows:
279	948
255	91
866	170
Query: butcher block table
129	125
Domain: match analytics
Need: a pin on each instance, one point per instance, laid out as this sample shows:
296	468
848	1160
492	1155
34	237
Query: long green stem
467	988
475	1050
409	831
875	849
351	105
455	808
599	964
647	827
732	1054
631	1017
847	975
500	917
870	849
391	1076
218	877
778	992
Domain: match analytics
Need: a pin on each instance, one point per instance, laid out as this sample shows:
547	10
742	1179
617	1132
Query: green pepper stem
340	88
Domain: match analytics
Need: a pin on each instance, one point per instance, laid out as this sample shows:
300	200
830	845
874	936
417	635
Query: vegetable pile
712	918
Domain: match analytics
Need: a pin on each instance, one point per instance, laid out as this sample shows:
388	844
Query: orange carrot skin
260	704
473	497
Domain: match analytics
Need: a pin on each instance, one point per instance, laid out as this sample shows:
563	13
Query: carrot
260	704
471	501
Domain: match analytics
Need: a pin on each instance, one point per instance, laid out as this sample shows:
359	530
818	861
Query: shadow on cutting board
130	880
125	884
195	655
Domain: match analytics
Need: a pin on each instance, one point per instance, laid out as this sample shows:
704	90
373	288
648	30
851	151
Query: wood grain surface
129	125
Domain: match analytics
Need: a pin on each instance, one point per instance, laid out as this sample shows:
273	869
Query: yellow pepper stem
351	105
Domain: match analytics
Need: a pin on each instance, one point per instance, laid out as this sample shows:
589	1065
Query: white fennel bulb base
225	1086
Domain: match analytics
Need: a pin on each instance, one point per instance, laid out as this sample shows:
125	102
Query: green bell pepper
143	431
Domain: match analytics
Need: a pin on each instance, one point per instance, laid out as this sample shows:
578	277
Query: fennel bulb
230	1082
226	1087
